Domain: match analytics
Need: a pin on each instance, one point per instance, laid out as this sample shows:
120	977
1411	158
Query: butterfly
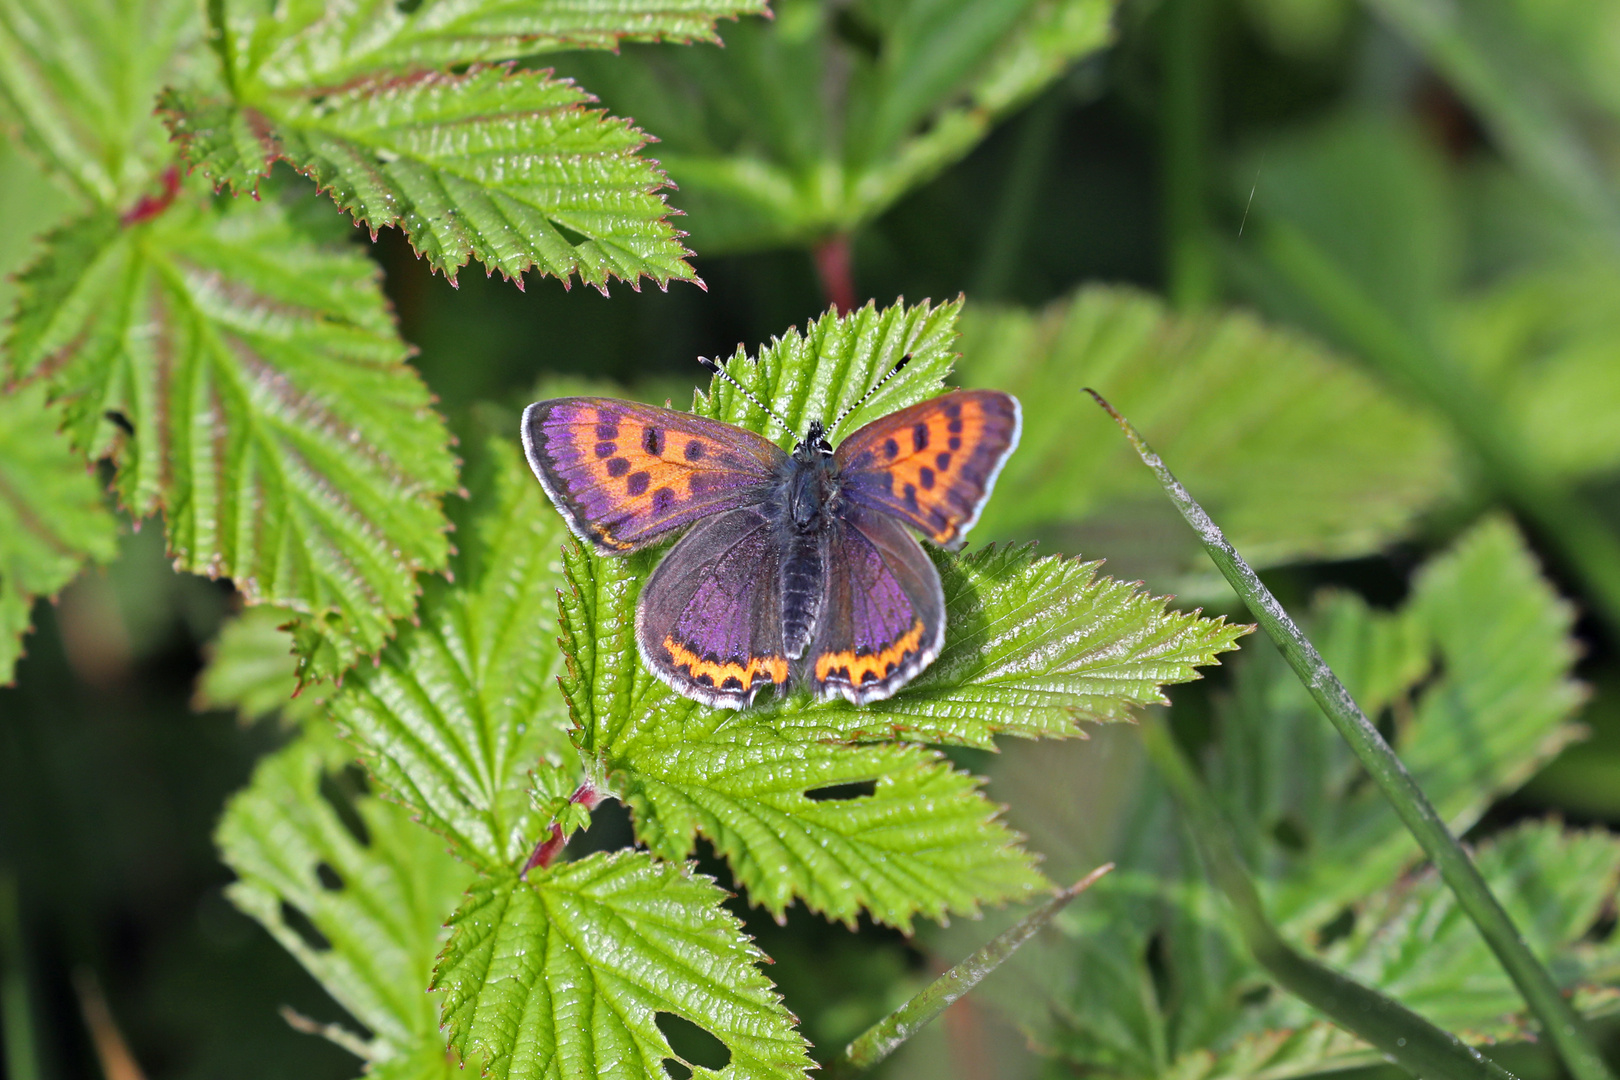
795	569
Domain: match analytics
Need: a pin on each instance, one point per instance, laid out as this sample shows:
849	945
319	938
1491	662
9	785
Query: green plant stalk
1578	535
16	1017
884	1037
1558	1018
1015	210
1192	268
1411	1041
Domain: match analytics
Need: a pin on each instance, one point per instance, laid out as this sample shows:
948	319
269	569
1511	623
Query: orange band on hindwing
719	672
861	667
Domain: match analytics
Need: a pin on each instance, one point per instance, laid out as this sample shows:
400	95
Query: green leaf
275	421
1416	944
1295	453
1032	646
252	669
818	121
78	81
567	973
324	44
52	516
924	841
1473	673
373	886
505	166
463	704
1496	640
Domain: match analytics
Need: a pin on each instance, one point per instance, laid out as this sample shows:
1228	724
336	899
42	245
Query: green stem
1558	1018
1574	531
16	1017
882	1038
1192	270
1409	1039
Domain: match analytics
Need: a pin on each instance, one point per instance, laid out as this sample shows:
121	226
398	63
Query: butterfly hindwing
884	616
626	474
709	622
932	465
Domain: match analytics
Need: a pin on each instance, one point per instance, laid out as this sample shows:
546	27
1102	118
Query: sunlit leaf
505	166
249	383
1033	646
568	972
462	705
78	81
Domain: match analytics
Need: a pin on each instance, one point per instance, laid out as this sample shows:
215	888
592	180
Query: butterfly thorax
806	503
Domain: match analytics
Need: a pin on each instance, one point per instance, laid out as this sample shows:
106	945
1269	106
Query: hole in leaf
610	830
859	789
675	1070
330	879
300	924
1336	928
692	1043
572	236
340	790
1290	835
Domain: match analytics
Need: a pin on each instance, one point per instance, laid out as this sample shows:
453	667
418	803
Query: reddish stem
148	207
836	271
547	850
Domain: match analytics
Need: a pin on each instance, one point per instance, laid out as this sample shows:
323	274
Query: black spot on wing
606	448
663	500
694	450
637	483
925	477
653	440
919	437
618	466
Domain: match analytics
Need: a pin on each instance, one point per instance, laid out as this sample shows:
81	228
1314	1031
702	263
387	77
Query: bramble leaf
332	43
264	405
501	165
461	706
1033	645
78	80
401	116
773	800
373	886
567	973
1294	451
53	518
816	122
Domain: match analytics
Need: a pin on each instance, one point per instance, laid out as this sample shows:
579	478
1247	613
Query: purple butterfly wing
884	616
709	622
624	474
932	465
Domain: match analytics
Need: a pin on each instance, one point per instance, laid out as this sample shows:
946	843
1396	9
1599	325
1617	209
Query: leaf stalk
1558	1018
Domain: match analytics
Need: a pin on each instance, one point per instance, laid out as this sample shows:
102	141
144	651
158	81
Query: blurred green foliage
1403	315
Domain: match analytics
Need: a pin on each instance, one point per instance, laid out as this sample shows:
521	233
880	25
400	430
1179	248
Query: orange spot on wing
774	668
855	665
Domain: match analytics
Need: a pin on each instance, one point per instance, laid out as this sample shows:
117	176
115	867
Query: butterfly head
815	443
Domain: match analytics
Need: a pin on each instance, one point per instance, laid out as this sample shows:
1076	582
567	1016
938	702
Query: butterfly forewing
709	622
884	619
625	474
932	465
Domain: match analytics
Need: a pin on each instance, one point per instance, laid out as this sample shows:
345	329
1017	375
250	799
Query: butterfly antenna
864	398
716	367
